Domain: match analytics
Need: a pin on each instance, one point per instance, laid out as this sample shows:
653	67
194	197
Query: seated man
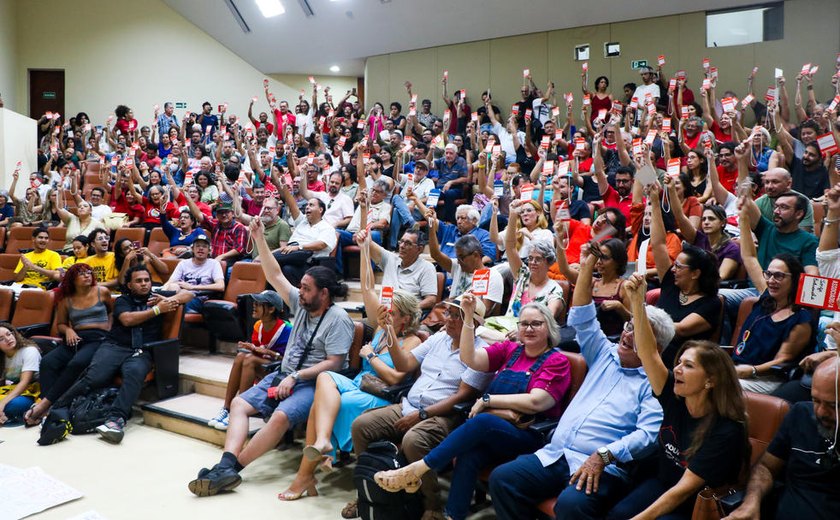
122	352
426	415
102	261
378	218
322	336
804	454
39	266
613	418
466	223
339	204
467	250
409	206
277	231
406	271
229	237
199	275
452	177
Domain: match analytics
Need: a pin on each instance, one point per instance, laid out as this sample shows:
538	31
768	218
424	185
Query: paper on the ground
31	491
88	515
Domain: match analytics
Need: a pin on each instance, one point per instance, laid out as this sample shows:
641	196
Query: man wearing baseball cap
229	238
648	87
199	275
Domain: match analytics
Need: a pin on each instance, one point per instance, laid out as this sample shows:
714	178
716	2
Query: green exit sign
180	104
638	64
48	95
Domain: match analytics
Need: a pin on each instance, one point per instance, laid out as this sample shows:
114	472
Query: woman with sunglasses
777	330
532	378
689	285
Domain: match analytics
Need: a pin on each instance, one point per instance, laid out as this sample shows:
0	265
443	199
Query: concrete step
188	415
204	373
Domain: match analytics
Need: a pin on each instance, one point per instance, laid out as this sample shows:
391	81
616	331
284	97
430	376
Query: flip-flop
28	415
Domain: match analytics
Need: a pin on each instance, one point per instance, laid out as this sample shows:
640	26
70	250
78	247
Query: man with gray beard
804	454
277	231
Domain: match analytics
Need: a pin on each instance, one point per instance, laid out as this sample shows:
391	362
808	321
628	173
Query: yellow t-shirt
68	262
49	260
104	269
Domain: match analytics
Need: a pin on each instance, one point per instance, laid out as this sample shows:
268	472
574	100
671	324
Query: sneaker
220	422
113	430
218	479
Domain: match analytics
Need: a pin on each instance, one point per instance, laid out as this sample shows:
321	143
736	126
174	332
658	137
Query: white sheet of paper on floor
31	491
89	515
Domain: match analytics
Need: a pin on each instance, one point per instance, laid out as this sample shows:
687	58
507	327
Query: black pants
112	359
62	366
294	265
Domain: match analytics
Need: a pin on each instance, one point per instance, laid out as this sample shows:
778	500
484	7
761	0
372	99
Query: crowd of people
661	234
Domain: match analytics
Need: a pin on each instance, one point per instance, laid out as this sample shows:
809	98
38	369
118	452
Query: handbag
708	505
374	386
434	320
114	221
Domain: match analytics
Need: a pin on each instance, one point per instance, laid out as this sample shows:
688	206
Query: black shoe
211	482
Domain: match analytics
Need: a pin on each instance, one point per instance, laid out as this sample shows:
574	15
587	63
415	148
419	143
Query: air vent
307	9
238	16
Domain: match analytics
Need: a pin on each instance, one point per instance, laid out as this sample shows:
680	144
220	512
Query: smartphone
135	244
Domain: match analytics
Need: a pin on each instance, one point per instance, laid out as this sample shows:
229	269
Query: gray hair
550	322
542	247
472	213
384	185
468	244
662	325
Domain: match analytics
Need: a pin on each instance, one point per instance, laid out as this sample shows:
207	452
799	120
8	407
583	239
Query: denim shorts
296	406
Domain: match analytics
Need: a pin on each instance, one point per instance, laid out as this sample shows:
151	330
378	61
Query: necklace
684	297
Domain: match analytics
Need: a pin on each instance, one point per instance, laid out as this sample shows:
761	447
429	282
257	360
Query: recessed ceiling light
334	68
270	8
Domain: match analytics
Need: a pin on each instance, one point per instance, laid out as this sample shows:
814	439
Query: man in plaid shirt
229	238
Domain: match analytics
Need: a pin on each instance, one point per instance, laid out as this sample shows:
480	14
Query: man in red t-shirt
727	168
282	119
621	196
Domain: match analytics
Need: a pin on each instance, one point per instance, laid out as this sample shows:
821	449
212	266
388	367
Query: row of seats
20	238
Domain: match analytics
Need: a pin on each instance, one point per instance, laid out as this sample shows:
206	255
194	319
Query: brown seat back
567	300
158	241
578	372
172	324
245	278
353	357
7	296
133	234
19	238
765	414
33	306
744	310
8	263
171	263
58	238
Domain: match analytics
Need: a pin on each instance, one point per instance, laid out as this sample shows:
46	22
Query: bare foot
36	413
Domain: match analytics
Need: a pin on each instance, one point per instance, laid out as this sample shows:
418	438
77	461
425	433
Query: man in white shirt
339	205
406	271
200	275
649	87
98	209
378	218
312	237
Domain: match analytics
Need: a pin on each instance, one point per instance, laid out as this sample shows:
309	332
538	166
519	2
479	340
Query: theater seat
222	316
765	414
158	241
34	312
19	238
133	234
58	238
744	310
7	297
8	263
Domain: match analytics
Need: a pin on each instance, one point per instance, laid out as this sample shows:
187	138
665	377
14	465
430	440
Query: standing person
19	359
268	343
649	86
138	320
39	266
323	333
600	99
703	438
200	275
83	315
167	120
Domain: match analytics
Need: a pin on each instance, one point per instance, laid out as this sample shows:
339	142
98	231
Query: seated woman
182	236
127	255
777	330
689	286
610	223
703	437
268	344
83	314
607	288
532	379
338	399
81	250
82	223
532	225
19	359
727	252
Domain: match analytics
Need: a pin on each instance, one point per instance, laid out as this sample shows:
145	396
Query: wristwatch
423	414
295	375
604	453
486	398
370	356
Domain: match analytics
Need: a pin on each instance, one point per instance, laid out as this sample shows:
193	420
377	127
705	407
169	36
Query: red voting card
386	296
827	143
481	282
818	291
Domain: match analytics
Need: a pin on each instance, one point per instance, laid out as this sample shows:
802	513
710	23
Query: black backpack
374	502
56	427
91	410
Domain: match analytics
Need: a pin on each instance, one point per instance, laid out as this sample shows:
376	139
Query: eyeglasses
535	259
407	243
680	265
453	316
533	325
775	275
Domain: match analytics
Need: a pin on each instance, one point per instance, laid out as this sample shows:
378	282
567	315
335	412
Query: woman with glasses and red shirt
777	330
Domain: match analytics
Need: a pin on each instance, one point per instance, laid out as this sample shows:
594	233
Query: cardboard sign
747	100
545	142
555	111
674	167
474	117
528	113
548	169
706	63
818	291
386	296
498	189
707	84
526	192
433	198
563	168
661	60
666	125
650	137
672	85
728	104
827	143
586	99
515	109
634	102
770	96
480	282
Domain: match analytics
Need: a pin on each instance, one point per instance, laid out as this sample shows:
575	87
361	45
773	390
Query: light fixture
270	8
334	68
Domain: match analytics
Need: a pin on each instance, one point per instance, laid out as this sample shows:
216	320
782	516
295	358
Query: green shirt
771	242
274	234
765	205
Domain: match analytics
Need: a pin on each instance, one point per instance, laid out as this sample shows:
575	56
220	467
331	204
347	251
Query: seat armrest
463	409
395	393
166	357
544	427
36	329
787	371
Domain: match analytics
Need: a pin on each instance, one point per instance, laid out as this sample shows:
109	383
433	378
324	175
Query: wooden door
46	92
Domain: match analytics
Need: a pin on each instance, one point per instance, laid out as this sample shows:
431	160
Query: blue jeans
519	486
449	197
402	216
345	238
478	443
643	496
15	408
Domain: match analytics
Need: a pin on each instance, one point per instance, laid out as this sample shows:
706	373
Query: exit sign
180	104
48	95
638	64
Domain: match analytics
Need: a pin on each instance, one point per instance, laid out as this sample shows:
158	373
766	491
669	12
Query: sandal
28	420
350	509
310	490
398	480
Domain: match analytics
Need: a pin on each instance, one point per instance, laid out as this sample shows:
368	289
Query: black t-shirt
811	184
669	300
812	484
718	461
152	329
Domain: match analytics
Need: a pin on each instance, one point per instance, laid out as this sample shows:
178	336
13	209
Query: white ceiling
346	32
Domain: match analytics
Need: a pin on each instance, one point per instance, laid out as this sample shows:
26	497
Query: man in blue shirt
466	223
613	418
452	176
208	120
167	120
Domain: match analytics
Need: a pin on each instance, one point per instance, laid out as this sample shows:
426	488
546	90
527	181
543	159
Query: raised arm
273	274
687	229
748	251
434	245
644	340
658	243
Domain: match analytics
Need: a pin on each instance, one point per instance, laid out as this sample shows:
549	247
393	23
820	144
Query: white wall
18	142
8	53
139	53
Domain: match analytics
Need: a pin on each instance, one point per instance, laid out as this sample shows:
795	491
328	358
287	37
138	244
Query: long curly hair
67	287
